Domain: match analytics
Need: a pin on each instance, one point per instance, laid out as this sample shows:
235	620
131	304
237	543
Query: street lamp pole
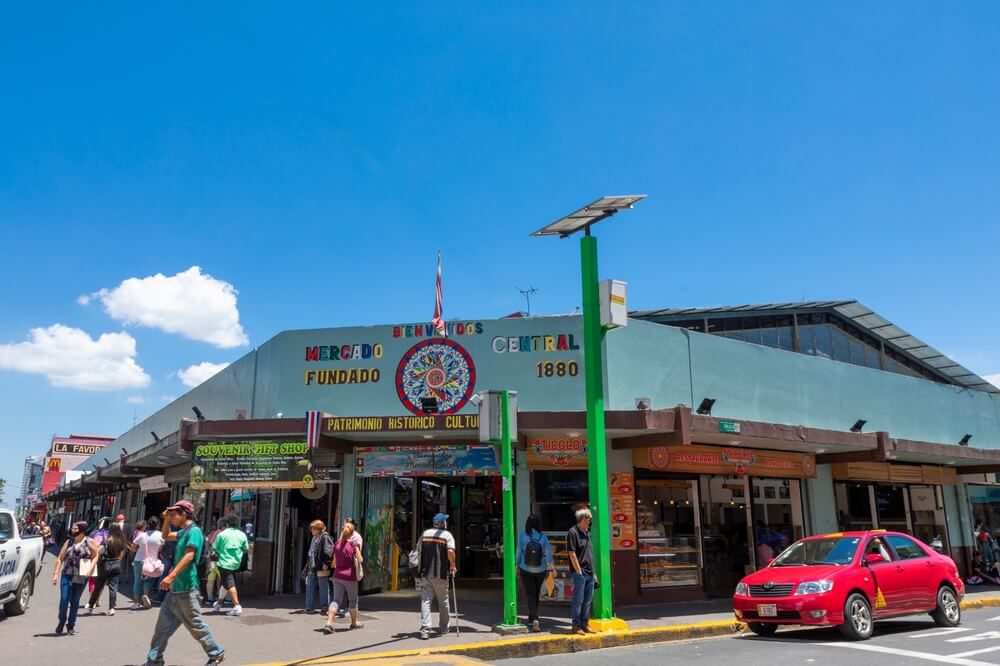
593	354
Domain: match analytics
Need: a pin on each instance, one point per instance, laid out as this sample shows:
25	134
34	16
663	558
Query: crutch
454	596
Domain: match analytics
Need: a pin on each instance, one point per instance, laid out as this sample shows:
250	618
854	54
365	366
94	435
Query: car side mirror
873	558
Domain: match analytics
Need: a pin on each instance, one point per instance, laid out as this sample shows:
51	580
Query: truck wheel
857	618
948	612
762	628
20	603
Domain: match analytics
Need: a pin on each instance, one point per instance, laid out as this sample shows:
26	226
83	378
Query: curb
987	602
536	646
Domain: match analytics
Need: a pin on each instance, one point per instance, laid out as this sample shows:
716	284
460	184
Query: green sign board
252	465
730	427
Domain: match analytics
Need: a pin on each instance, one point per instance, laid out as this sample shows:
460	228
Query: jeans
583	599
69	599
430	588
181	608
110	573
137	581
532	583
323	583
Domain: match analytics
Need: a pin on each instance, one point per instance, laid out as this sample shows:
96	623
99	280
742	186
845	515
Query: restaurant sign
220	465
726	460
471	460
557	453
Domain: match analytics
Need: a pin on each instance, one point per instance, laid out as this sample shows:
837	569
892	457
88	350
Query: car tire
21	598
948	612
762	628
858	620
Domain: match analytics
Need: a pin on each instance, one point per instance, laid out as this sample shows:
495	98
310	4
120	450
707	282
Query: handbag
359	569
88	568
414	556
152	567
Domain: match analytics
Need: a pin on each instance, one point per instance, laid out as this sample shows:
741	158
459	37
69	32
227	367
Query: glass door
725	528
777	517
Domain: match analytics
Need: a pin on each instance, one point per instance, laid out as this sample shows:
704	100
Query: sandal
357	626
328	629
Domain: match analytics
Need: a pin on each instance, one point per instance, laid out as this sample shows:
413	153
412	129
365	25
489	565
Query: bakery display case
668	561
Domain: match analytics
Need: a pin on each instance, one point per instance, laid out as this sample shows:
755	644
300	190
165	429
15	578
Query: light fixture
476	399
643	404
819	451
965	440
428	436
590	214
155	437
429	405
572	433
858	425
197	413
706	406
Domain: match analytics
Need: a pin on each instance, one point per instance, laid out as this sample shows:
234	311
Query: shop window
666	532
854	508
807	344
891	505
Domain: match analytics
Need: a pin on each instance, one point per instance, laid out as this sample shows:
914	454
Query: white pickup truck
20	564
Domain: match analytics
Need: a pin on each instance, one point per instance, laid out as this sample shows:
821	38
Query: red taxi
850	579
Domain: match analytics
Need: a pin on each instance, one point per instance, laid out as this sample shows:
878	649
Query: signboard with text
427	461
252	465
726	460
557	452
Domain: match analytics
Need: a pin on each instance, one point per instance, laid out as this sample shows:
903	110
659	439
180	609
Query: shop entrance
304	506
154	504
397	510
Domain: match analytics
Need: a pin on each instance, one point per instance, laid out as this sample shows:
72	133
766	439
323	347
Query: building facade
722	450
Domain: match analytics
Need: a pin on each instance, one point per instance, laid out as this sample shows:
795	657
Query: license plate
767	610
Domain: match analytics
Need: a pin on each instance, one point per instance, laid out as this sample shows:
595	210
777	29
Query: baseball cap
184	506
440	518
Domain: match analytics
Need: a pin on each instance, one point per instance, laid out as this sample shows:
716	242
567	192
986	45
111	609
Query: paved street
911	641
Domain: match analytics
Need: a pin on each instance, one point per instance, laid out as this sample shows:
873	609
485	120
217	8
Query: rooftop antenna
527	293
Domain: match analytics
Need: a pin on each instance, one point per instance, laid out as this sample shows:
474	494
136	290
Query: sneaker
216	607
328	629
71	632
60	628
236	612
111	612
215	660
424	634
146	602
536	627
89	610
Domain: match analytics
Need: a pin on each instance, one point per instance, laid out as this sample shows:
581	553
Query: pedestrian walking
76	559
212	585
109	569
581	560
98	536
167	553
147	567
319	561
359	544
230	545
535	563
182	605
347	564
437	562
47	540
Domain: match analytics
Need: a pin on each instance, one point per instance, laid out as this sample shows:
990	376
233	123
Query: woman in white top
145	545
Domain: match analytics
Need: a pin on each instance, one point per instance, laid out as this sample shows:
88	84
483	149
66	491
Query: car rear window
829	550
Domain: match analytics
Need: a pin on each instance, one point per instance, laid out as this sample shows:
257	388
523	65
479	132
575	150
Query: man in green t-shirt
182	605
230	545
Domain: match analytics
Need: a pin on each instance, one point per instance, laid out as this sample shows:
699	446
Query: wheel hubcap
25	595
950	605
859	615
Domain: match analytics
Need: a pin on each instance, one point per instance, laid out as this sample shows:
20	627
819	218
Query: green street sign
730	427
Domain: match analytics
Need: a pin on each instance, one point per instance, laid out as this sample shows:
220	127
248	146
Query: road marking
985	636
939	632
979	651
994	619
913	654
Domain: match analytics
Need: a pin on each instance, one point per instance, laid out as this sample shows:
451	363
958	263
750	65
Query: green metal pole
509	534
597	458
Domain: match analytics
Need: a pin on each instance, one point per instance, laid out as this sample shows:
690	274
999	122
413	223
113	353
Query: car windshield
828	550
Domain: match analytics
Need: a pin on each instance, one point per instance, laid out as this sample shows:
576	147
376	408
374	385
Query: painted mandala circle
436	368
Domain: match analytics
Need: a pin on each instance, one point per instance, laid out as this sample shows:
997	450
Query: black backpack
533	553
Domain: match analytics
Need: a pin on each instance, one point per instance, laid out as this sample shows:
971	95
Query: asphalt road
909	641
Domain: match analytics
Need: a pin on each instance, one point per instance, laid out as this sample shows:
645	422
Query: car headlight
814	587
742	590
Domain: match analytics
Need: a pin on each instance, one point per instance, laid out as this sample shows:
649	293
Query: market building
731	433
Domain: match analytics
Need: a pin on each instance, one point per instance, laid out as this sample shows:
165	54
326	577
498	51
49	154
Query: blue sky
314	159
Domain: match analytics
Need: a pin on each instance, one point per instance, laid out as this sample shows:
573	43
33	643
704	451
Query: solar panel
589	214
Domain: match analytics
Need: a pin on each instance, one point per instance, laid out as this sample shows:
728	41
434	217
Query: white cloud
196	374
135	400
192	303
993	379
70	358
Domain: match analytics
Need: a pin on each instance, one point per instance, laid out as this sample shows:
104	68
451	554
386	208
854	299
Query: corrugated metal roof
860	316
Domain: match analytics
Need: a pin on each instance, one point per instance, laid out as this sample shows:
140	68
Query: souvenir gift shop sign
557	453
252	465
726	460
427	461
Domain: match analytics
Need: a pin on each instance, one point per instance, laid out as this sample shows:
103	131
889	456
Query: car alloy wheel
949	604
24	594
861	617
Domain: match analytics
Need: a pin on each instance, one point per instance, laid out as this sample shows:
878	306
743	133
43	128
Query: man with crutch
437	566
